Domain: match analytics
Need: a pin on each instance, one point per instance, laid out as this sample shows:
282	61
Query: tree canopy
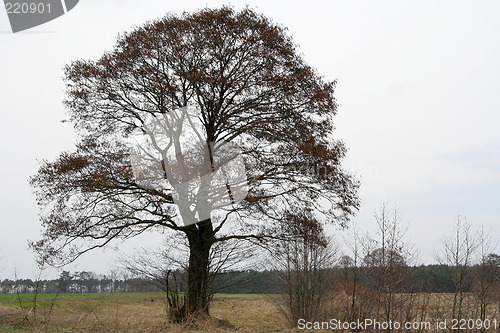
245	83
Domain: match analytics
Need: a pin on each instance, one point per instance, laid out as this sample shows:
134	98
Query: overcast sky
418	87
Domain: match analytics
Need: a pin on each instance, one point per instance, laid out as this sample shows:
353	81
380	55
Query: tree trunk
200	238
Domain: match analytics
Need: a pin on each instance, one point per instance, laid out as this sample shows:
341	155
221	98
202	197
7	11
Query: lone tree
236	79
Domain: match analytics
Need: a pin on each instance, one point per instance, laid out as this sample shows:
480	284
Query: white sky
418	85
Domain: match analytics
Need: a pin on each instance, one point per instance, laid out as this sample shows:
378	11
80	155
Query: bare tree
303	263
388	260
349	293
486	273
492	263
238	82
165	267
458	255
113	276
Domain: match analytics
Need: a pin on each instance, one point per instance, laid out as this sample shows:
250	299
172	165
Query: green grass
5	328
27	299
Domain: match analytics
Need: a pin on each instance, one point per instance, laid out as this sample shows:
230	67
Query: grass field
146	312
132	312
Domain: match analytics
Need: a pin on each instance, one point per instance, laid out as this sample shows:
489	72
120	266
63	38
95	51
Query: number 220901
25	8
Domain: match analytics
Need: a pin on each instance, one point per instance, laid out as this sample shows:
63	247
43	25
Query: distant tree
492	262
87	282
113	276
8	286
387	265
65	280
432	278
237	80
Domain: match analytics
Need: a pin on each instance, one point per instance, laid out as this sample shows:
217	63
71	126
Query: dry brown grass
146	312
142	312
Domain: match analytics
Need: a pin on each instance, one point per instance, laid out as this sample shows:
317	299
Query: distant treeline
426	278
